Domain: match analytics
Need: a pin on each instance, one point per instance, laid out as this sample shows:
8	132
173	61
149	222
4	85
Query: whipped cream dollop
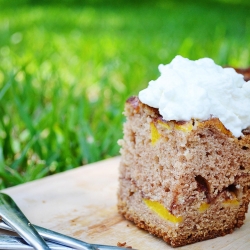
200	89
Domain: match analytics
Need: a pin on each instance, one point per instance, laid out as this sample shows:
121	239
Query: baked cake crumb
119	244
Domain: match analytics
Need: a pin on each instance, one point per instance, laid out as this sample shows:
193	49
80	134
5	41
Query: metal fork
65	240
14	220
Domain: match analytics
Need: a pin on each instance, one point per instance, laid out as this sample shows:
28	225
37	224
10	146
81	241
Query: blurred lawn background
67	67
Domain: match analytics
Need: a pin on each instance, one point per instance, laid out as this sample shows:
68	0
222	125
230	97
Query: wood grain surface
82	203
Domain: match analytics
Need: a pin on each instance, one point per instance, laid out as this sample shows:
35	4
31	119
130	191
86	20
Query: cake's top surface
200	89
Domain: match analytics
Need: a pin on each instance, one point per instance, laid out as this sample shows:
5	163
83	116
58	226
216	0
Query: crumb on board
119	244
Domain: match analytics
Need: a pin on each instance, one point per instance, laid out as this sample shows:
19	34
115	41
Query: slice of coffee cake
184	181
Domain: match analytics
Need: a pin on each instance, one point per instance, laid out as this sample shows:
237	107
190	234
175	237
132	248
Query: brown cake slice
182	181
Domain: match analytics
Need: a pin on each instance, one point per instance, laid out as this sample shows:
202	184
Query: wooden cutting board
82	203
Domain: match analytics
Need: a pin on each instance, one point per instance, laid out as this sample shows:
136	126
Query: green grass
67	69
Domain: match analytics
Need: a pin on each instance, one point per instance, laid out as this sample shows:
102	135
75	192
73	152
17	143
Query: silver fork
14	220
65	240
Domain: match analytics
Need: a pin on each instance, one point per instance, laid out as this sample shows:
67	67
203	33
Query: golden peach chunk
158	208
